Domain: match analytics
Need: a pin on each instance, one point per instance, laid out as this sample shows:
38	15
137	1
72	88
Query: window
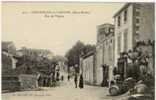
109	52
137	36
137	28
137	13
111	41
137	20
125	40
119	19
119	44
125	16
138	6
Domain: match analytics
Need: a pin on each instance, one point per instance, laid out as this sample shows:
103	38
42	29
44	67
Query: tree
75	52
34	60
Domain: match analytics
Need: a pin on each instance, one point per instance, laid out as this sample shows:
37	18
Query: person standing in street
57	76
75	80
81	82
68	77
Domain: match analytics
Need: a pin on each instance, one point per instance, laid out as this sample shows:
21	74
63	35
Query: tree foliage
27	64
76	51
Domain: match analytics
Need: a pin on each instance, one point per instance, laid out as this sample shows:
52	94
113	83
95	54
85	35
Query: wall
88	67
140	26
10	82
104	50
109	55
28	81
146	25
8	62
146	22
99	62
119	31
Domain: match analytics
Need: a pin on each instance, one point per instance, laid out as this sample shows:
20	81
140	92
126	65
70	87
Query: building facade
104	50
88	68
133	22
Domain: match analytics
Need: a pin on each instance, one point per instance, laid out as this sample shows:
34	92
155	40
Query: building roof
105	24
88	54
124	7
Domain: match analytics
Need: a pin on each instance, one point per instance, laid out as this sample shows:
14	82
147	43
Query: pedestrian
68	77
57	76
44	82
75	80
81	82
53	79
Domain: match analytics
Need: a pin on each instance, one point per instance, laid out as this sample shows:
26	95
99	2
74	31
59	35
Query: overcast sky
58	34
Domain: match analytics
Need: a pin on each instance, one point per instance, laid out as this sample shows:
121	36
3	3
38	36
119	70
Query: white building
133	22
88	68
104	50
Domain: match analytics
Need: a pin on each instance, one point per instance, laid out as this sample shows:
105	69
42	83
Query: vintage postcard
78	50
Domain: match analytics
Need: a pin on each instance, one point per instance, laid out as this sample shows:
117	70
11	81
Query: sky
54	25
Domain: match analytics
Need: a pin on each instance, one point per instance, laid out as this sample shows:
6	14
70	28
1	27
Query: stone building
87	68
104	50
133	22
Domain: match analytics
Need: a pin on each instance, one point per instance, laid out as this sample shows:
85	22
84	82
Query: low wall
28	81
10	83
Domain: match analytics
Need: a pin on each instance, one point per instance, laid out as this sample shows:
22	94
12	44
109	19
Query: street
66	91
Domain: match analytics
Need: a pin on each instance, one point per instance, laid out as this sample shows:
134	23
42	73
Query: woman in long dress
81	82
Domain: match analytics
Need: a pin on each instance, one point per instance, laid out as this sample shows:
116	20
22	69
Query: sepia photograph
77	50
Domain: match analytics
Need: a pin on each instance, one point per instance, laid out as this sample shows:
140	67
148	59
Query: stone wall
104	50
6	64
146	22
88	64
28	81
99	62
10	83
121	30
